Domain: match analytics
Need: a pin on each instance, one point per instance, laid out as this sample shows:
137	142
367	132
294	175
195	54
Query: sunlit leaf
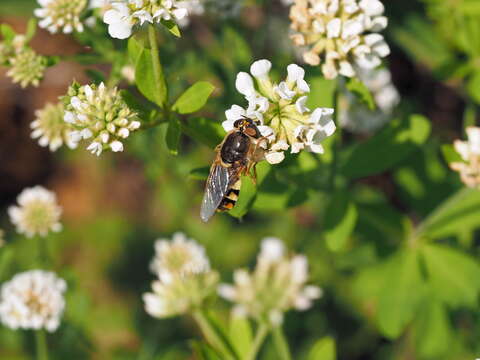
194	98
340	220
323	349
240	333
172	27
358	88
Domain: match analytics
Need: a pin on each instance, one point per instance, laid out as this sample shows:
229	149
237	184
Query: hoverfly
237	154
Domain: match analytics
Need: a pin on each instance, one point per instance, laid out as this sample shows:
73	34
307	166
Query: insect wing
217	185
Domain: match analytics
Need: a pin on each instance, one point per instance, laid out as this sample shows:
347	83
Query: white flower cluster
50	129
194	8
340	34
357	117
37	212
275	286
469	150
185	279
61	15
100	115
281	112
33	300
125	14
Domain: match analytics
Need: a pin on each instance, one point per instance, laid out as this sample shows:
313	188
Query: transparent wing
217	186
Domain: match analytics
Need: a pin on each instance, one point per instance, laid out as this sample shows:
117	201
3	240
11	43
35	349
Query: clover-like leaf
194	98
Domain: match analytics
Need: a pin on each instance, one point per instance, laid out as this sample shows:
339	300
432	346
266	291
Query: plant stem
260	336
281	344
337	141
157	67
212	336
41	345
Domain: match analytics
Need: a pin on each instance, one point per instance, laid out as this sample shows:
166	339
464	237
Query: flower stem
157	67
336	143
281	344
260	336
41	345
212	335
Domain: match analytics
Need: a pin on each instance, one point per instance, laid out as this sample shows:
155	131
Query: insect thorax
235	147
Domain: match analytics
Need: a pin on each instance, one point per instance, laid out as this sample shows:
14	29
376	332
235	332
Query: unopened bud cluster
100	115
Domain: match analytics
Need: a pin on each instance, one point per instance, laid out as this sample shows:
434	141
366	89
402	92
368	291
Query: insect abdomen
230	198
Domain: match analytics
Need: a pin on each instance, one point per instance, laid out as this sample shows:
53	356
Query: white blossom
469	151
61	15
37	212
124	15
99	115
185	279
280	111
33	300
277	285
340	35
27	67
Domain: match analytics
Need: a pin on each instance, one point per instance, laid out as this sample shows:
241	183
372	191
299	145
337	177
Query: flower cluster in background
277	285
340	35
185	279
100	115
37	212
26	67
280	109
469	151
356	116
33	300
124	15
61	15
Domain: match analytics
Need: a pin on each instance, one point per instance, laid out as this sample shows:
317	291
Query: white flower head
277	285
340	35
469	151
280	111
124	15
33	300
37	212
356	116
61	15
100	115
27	67
50	129
180	257
185	279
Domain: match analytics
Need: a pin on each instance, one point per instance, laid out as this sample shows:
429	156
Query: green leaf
7	32
145	78
172	27
204	351
248	192
135	49
432	330
358	88
456	214
382	151
31	29
194	98
240	333
401	293
323	349
340	220
200	173
450	154
453	276
173	135
206	131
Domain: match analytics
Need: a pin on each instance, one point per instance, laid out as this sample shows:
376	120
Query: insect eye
238	123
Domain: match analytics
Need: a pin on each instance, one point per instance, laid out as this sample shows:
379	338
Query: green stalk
260	336
337	141
212	336
281	344
157	67
41	345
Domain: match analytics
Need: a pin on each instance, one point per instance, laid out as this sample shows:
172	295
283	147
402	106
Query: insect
237	154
